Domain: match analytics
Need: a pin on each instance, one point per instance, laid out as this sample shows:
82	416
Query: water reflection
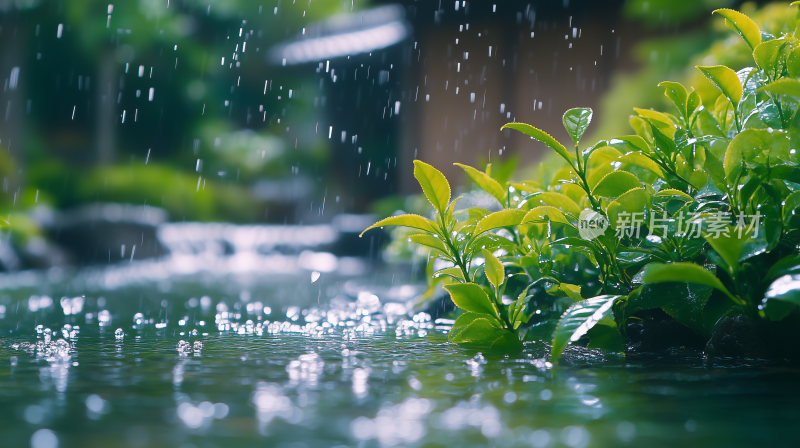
362	366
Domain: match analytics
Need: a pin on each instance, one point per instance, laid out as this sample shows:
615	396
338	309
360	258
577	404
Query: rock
659	335
737	336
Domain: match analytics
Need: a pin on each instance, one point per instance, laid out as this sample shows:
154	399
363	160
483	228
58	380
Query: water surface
250	359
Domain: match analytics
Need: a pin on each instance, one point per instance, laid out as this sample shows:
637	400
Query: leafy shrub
695	215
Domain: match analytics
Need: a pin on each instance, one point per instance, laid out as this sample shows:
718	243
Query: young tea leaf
486	183
743	25
493	269
433	184
464	321
413	221
578	320
471	297
576	121
615	183
785	86
503	218
543	137
677	93
725	80
429	241
537	215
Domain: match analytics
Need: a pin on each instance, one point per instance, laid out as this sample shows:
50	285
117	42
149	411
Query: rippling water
246	359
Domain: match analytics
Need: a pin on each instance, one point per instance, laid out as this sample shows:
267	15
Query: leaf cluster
717	190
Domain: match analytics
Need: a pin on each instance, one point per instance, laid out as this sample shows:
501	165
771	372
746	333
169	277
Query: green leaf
786	265
558	200
670	192
627	143
716	171
607	337
768	56
793	62
493	269
577	320
615	183
677	93
433	184
576	121
479	330
486	183
429	241
743	25
785	86
683	301
413	221
465	320
455	273
572	291
747	145
537	214
785	289
684	273
471	297
632	201
543	137
642	161
503	218
725	80
790	206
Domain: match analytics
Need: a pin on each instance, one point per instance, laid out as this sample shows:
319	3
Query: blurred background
118	118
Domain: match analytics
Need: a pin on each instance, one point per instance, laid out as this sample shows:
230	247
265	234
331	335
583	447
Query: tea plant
695	214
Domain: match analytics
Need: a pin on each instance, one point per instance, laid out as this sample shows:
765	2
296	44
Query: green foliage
698	202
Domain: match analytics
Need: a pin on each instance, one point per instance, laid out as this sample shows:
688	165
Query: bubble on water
198	345
44	438
138	319
119	333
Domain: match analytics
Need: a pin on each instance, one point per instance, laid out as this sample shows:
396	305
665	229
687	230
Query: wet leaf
743	25
616	183
413	221
434	185
543	137
429	241
537	215
683	301
493	269
471	297
558	200
676	92
684	273
486	183
606	336
576	121
785	289
785	86
578	319
503	218
725	80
